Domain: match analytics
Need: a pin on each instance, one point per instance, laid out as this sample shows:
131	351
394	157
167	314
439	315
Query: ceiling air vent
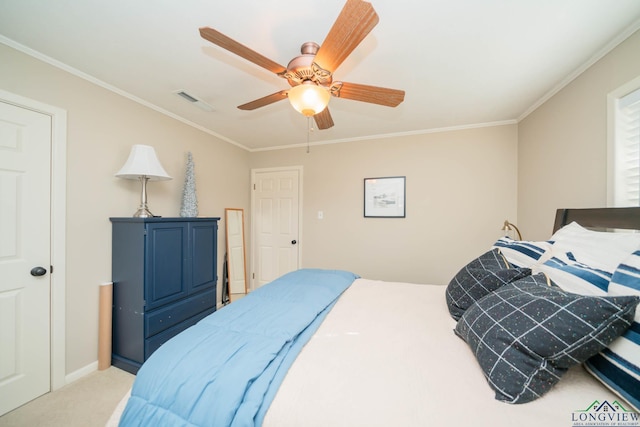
194	100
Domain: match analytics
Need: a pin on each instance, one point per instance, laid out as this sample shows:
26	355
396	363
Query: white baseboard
76	375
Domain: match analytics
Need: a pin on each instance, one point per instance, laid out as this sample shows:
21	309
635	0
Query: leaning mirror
234	219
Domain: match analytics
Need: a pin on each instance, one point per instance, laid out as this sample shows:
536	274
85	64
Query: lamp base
143	213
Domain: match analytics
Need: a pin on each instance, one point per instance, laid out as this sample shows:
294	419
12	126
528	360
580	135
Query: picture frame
385	197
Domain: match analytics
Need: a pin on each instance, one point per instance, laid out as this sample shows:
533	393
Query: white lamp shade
308	98
143	161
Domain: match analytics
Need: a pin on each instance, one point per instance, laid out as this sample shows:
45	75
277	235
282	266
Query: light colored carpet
87	402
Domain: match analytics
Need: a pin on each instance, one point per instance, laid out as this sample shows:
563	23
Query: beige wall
461	184
102	127
563	144
460	188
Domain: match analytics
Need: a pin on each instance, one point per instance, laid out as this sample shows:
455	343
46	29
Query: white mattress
386	355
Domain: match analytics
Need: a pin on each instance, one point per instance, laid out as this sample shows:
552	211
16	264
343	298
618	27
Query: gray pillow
525	335
471	284
478	278
490	260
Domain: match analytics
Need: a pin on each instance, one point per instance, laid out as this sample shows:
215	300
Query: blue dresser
164	280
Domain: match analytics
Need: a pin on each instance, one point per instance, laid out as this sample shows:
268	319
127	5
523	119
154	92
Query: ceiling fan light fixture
308	98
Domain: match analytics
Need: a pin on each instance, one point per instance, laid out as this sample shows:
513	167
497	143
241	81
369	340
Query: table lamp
143	164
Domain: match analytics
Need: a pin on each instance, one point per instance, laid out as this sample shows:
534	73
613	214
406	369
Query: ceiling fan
310	75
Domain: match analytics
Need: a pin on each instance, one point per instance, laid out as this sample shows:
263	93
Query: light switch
320	215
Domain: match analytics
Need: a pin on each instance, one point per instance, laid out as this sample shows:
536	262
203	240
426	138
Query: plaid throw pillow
490	260
526	335
480	277
471	284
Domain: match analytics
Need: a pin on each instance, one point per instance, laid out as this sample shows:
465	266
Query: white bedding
386	355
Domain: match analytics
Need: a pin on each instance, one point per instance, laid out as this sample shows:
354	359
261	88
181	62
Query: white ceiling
461	62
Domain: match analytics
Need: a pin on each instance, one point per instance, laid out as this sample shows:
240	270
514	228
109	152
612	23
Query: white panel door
25	158
275	215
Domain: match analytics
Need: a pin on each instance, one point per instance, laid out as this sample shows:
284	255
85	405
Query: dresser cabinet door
165	263
202	246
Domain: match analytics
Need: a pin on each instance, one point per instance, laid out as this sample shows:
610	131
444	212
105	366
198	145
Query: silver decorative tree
189	207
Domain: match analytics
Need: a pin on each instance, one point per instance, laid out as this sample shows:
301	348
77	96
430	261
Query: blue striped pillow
573	276
618	366
521	253
599	249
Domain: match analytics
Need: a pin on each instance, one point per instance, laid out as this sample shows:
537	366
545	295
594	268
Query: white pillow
597	249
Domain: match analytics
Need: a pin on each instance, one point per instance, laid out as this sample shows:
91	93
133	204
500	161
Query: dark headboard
626	218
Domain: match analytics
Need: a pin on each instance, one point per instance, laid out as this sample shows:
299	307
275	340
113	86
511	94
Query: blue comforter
225	370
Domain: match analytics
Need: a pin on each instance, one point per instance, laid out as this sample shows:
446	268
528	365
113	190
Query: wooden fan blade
355	21
365	93
261	102
217	38
323	119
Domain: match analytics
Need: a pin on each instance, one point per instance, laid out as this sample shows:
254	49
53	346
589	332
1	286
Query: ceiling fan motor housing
302	68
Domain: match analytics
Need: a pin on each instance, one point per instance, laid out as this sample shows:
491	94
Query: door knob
38	271
293	242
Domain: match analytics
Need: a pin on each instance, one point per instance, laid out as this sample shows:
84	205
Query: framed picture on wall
384	197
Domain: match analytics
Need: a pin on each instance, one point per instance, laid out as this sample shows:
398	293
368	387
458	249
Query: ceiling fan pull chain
309	128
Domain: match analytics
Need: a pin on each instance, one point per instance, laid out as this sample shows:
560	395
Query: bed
375	353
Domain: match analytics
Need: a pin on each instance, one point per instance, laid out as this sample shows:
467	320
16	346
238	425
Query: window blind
627	150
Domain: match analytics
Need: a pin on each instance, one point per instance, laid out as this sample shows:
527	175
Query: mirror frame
231	268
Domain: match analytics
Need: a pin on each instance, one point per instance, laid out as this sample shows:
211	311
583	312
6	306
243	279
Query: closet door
275	212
